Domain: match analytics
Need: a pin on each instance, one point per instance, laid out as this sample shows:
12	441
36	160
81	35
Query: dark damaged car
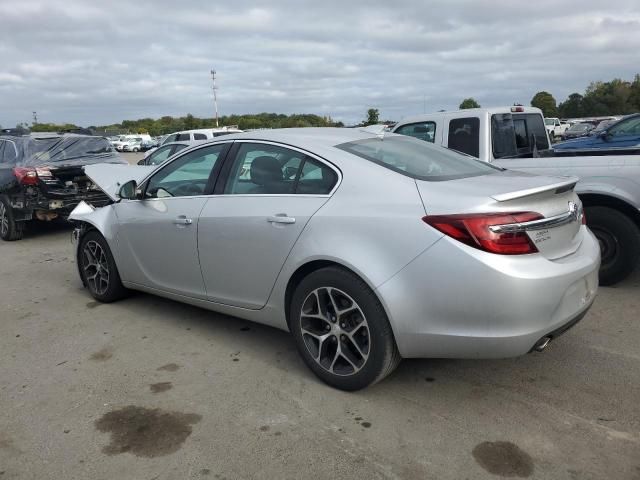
41	177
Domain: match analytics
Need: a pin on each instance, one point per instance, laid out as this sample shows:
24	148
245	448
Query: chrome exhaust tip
542	344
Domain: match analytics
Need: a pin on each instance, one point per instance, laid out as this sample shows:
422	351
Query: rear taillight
474	230
584	217
29	176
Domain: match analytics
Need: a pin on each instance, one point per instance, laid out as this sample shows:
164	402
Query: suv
41	176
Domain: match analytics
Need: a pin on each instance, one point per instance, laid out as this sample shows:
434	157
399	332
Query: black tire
10	230
382	353
105	291
619	239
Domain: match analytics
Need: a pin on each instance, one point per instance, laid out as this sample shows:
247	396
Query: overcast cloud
103	62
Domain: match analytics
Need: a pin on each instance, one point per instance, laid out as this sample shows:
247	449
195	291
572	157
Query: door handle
183	220
281	218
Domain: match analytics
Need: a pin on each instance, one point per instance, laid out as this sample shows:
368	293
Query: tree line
600	99
168	124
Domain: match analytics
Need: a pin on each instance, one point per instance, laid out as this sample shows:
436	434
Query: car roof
311	137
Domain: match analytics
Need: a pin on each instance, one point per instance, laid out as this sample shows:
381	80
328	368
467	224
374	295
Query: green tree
373	116
469	103
572	107
545	102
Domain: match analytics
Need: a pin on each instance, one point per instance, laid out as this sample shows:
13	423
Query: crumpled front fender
102	219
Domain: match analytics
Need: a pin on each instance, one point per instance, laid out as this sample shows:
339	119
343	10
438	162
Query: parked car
200	134
624	133
41	177
359	244
515	138
580	129
161	154
555	127
132	145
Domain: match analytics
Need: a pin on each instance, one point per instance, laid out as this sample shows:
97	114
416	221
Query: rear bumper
457	302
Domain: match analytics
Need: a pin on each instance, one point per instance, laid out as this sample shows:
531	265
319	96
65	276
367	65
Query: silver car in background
367	247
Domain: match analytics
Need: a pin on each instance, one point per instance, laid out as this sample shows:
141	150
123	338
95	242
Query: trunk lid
109	177
510	191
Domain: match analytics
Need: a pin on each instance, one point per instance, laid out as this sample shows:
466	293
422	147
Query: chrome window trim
205	144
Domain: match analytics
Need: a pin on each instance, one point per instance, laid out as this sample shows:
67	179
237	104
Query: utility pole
35	117
215	98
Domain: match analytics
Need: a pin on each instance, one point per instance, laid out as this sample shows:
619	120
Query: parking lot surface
147	388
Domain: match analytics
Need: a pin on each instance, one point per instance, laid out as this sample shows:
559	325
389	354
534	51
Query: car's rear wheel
10	230
98	269
341	329
619	240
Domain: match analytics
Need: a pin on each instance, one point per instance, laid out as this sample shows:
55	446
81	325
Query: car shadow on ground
276	348
37	229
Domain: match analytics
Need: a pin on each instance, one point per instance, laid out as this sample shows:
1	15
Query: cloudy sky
99	62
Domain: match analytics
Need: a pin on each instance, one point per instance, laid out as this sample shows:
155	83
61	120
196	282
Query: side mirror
129	190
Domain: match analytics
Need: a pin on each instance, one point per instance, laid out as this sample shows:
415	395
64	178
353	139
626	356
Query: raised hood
109	177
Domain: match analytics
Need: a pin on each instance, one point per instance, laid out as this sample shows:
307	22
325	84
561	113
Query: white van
200	134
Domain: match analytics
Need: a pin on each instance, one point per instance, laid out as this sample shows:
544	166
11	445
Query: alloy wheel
4	220
335	331
96	267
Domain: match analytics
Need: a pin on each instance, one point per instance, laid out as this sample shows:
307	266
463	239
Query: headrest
265	170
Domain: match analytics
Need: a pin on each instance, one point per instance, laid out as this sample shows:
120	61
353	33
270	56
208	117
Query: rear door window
464	135
183	137
199	136
422	131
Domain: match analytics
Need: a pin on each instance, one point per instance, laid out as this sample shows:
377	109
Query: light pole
215	97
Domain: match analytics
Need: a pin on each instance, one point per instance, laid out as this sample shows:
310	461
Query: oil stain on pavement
102	355
160	387
169	367
146	432
503	458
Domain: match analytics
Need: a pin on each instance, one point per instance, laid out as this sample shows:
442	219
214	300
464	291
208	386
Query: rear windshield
517	135
58	149
417	159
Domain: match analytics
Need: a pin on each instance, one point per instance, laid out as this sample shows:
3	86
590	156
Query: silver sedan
367	247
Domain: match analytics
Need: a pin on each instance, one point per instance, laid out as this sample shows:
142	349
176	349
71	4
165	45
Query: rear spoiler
559	187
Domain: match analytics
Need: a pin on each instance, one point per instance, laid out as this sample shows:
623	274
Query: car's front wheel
98	269
341	329
9	229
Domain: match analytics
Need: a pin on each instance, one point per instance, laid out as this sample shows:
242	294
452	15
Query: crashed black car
41	176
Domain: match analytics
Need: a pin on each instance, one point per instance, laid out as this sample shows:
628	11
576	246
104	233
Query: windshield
57	149
417	159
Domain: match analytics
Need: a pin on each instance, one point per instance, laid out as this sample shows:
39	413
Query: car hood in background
109	177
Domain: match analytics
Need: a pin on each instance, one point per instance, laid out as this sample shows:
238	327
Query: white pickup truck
555	128
516	138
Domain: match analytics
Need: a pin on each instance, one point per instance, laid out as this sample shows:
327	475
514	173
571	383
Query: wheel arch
602	200
311	266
